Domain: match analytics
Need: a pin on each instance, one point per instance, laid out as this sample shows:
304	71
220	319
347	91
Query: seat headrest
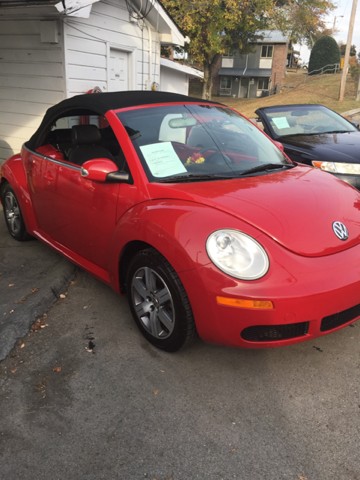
85	134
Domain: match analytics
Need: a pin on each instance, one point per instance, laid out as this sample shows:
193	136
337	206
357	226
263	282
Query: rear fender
13	172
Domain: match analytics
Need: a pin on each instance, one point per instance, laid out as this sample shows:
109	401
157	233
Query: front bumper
311	297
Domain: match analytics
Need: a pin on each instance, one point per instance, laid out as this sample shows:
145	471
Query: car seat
86	144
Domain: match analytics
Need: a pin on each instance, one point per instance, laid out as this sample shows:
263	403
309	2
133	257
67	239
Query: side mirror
103	170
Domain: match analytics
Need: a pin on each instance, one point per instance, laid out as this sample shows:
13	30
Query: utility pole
347	51
333	28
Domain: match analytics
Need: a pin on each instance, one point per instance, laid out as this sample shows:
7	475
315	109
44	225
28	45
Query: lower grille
274	333
338	319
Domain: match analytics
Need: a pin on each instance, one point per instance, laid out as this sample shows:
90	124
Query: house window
266	51
227	62
225	85
263	84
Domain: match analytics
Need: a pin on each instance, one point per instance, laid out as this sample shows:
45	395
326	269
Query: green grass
301	88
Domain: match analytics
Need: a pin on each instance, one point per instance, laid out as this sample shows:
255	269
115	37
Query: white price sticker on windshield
162	159
281	122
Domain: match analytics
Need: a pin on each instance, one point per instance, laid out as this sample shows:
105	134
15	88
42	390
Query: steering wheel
314	129
215	157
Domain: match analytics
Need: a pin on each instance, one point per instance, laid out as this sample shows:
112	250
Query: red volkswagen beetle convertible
193	212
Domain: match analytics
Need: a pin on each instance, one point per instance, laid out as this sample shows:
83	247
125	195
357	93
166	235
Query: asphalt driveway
83	396
31	279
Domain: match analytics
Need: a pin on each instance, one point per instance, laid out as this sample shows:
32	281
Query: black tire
12	213
158	301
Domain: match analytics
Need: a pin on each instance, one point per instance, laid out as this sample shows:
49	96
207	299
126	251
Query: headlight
237	254
335	167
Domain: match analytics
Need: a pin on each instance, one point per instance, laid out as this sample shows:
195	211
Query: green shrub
325	53
355	72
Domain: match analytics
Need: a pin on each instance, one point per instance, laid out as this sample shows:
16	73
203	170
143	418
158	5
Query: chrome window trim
53	160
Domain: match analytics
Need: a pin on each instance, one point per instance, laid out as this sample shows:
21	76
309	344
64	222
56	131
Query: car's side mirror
103	170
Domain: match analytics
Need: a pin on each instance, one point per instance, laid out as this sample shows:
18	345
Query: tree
342	47
325	53
355	74
216	27
303	20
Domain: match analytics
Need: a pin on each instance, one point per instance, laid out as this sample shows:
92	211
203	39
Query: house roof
27	3
193	72
246	72
272	36
156	14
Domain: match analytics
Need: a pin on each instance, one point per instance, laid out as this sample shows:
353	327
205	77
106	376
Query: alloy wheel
12	213
153	303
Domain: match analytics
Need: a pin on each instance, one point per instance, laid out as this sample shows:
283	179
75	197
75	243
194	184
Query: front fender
176	229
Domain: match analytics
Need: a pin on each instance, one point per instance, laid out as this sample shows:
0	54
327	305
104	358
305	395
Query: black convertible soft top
101	103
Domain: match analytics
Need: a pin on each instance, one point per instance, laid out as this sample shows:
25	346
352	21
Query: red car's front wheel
159	302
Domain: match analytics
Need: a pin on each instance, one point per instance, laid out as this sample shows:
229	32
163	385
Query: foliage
355	72
355	75
342	47
218	27
302	19
325	53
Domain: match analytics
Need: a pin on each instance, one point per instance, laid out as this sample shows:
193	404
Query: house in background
51	50
257	73
175	77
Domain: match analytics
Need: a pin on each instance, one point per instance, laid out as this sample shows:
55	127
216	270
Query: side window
78	138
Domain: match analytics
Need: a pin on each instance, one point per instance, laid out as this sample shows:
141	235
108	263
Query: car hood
296	208
337	147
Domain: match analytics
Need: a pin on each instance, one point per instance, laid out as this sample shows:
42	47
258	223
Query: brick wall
279	65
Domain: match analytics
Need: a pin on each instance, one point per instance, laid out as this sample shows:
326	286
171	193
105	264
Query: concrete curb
351	113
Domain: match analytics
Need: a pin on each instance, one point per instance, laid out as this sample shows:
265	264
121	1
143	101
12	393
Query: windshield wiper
297	135
191	177
338	131
314	134
267	167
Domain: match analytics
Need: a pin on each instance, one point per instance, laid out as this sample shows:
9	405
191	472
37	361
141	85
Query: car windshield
306	120
180	143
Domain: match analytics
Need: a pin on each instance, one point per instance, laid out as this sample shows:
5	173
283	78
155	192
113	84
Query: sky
341	16
342	21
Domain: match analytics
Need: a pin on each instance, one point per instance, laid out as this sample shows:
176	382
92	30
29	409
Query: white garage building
51	49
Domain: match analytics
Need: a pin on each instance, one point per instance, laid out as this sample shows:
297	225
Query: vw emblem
340	230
